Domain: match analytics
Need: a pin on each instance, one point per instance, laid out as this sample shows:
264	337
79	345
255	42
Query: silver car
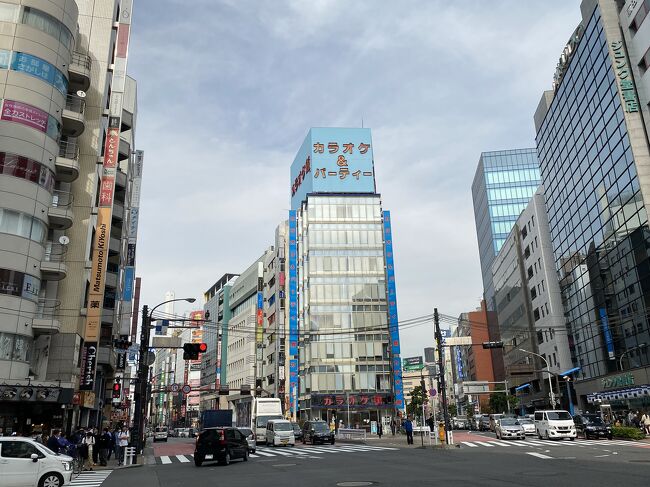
250	439
509	428
528	425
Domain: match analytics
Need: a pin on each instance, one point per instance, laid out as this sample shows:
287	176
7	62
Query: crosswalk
487	443
90	479
308	452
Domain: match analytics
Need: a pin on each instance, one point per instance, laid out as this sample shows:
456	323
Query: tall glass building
344	354
590	140
504	183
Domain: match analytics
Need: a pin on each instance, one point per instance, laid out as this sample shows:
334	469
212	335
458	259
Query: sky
228	89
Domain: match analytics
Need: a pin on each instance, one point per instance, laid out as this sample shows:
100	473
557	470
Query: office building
472	363
529	308
593	152
344	351
66	187
215	332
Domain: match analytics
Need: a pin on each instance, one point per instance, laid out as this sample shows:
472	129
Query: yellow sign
98	274
87	399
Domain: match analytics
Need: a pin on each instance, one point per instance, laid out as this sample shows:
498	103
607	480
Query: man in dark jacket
104	444
53	441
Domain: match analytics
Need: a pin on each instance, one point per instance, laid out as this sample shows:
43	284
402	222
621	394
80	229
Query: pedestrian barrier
351	434
129	454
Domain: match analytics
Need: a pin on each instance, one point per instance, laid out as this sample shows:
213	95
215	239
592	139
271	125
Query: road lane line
469	443
183	459
500	443
264	454
538	455
283	453
165	460
484	444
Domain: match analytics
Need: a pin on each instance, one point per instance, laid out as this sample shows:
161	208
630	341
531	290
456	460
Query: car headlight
67	466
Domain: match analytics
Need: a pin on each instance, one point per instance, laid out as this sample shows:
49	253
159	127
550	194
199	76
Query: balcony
53	266
74	121
67	162
60	213
79	71
45	320
118	210
106	356
111	279
120	178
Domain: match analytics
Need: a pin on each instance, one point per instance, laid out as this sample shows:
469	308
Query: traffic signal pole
141	386
441	371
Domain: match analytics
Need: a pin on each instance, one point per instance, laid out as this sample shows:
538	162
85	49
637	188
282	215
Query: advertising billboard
333	160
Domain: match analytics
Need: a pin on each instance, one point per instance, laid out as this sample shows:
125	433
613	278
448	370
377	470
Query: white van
554	424
160	433
26	463
264	410
280	432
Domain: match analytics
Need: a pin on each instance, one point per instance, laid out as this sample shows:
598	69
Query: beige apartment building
63	88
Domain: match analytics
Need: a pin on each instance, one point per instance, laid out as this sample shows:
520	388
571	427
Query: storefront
616	394
354	410
31	409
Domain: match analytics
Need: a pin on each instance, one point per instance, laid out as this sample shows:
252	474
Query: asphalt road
569	463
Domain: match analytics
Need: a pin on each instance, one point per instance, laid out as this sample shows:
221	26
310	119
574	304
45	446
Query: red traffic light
116	390
203	347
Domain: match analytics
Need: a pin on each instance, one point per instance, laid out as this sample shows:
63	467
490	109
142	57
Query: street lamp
142	398
568	391
550	384
620	361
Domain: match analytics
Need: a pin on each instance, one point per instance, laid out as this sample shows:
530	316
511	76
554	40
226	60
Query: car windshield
525	421
296	426
509	422
245	431
594	420
283	427
558	415
320	427
261	421
161	430
47	450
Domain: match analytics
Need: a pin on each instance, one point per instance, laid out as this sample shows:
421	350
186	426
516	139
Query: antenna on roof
361	122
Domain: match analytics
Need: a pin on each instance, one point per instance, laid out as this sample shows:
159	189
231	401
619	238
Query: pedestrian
392	426
53	441
94	452
104	445
408	428
380	430
645	421
116	443
91	452
123	440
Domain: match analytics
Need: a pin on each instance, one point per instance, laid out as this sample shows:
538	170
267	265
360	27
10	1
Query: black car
592	426
317	432
297	431
221	444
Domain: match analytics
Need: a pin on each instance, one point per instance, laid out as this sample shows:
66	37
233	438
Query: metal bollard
129	454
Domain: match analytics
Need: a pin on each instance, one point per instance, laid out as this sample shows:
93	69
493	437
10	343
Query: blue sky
228	90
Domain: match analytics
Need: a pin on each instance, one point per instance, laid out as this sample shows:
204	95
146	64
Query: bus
263	410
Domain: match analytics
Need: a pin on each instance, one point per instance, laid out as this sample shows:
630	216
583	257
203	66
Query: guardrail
69	148
62	199
352	434
81	59
75	104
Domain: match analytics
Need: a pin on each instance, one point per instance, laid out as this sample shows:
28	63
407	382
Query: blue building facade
597	215
504	183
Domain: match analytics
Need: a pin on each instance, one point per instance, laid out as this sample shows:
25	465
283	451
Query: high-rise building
593	153
66	190
344	353
529	308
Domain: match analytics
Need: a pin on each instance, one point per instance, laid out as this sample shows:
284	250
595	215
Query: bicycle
77	461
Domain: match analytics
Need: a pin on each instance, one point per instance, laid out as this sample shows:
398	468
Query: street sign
475	387
175	387
433	392
186	389
151	358
412	363
458	341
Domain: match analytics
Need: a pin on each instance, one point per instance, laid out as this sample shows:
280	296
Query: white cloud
228	90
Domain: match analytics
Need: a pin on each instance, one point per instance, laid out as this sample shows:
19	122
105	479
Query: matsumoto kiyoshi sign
333	160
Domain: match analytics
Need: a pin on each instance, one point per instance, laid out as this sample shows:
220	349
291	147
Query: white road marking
485	444
500	443
165	460
469	443
538	455
264	454
183	459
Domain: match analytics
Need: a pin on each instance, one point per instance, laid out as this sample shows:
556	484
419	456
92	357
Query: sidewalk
112	464
398	440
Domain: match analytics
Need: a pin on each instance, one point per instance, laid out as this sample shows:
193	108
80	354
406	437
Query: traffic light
424	388
122	343
117	389
492	344
191	351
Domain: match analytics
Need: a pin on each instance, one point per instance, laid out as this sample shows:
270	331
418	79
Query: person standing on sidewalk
89	451
380	430
645	422
104	445
408	428
393	426
116	443
123	439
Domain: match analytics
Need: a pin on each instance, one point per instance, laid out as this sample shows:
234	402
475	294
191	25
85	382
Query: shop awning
619	394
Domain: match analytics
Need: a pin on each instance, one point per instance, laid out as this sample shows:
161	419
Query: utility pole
441	371
141	385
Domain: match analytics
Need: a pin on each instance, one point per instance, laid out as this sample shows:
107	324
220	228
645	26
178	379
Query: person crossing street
408	428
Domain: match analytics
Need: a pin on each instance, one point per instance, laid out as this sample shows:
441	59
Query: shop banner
15	111
379	400
607	332
293	310
393	326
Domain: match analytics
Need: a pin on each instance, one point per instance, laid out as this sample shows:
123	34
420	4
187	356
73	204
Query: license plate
285	441
209	456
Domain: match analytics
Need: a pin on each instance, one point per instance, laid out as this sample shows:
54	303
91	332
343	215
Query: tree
414	408
499	401
453	410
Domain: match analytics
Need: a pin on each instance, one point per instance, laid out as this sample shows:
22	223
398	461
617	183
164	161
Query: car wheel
51	479
332	442
572	438
539	435
198	460
226	458
245	455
